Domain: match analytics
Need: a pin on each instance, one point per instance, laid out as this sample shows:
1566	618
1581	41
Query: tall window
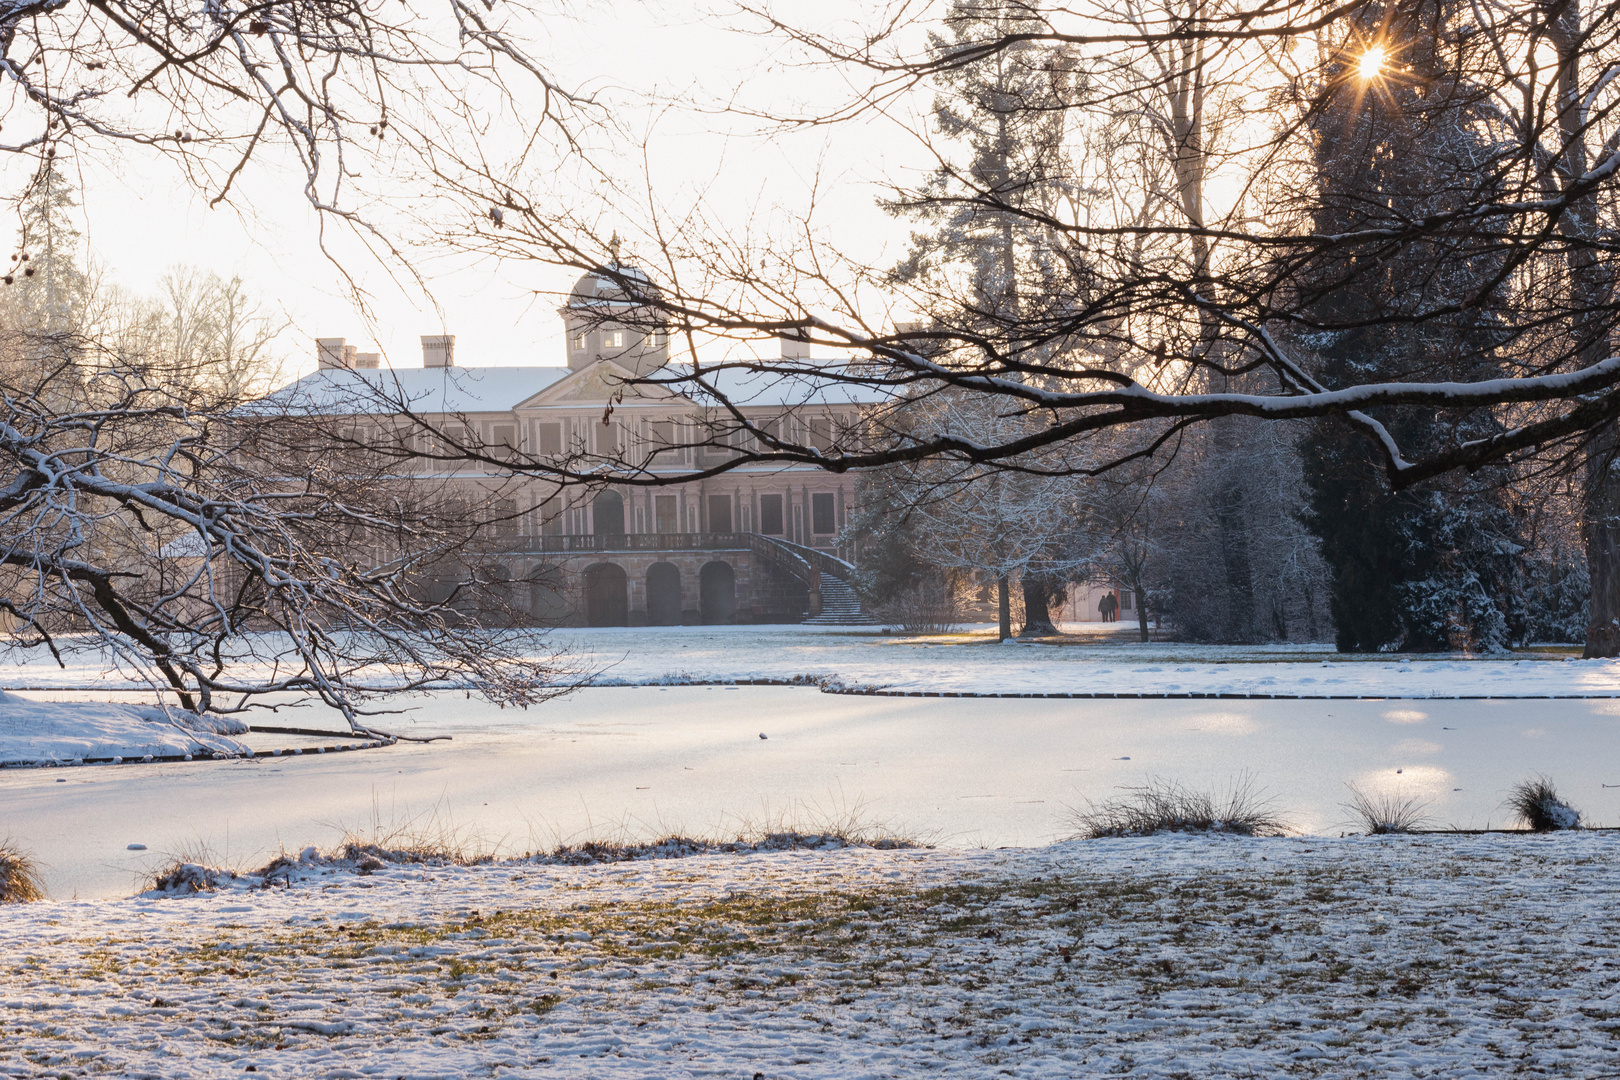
579	342
613	339
821	515
665	516
550	438
503	524
607	514
720	513
551	517
770	515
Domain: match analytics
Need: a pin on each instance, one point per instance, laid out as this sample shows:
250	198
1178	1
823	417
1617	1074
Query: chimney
795	348
330	352
368	360
438	350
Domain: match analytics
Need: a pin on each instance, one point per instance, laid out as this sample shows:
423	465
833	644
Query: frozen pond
638	761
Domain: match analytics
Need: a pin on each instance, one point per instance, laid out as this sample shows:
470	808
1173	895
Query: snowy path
1169	957
640	762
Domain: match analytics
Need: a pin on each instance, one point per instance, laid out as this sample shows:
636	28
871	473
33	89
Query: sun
1372	62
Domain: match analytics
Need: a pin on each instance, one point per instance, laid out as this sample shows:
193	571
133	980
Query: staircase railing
823	562
791	558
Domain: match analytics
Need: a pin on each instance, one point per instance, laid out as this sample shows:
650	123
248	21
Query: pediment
596	384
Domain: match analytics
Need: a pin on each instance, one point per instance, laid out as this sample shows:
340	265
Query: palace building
756	544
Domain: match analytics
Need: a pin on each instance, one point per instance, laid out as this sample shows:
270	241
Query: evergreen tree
48	283
1438	566
984	267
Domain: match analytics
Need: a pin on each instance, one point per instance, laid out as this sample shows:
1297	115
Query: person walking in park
1108	606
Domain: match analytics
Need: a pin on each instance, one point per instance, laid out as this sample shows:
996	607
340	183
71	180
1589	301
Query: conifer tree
46	281
990	271
1436	566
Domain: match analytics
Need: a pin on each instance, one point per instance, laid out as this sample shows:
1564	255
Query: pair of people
1108	607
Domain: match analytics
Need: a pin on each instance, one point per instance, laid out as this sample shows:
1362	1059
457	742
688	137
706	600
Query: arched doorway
663	594
717	586
607	514
547	603
607	602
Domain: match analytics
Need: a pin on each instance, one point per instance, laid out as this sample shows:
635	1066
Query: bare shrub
20	879
928	607
1537	804
1166	806
1387	813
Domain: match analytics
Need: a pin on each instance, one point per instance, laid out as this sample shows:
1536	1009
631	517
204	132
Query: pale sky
140	217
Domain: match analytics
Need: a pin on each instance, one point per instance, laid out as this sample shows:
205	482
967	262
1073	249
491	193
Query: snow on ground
1162	957
1104	665
43	732
1093	663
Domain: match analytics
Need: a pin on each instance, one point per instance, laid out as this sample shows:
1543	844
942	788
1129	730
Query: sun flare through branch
1372	62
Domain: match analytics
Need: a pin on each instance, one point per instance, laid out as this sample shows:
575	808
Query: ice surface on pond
640	762
635	762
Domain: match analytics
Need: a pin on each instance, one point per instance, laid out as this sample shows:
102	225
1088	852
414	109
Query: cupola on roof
595	289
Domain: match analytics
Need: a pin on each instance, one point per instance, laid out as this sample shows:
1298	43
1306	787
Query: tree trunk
1600	528
1004	604
1232	518
1037	606
1591	285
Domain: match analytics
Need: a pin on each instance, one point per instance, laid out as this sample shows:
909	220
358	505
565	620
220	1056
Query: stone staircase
839	605
822	574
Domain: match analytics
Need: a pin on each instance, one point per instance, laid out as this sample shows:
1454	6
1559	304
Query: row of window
609	518
616	339
616	436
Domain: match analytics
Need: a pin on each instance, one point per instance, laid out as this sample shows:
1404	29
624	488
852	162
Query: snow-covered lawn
1103	665
1094	663
1164	957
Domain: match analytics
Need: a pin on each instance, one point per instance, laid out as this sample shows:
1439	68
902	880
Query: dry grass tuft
1537	804
1387	813
20	879
194	868
680	847
1165	806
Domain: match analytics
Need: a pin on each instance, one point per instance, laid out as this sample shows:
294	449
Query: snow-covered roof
340	391
592	289
346	392
771	390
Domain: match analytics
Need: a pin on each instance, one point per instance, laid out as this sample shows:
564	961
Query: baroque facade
755	544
